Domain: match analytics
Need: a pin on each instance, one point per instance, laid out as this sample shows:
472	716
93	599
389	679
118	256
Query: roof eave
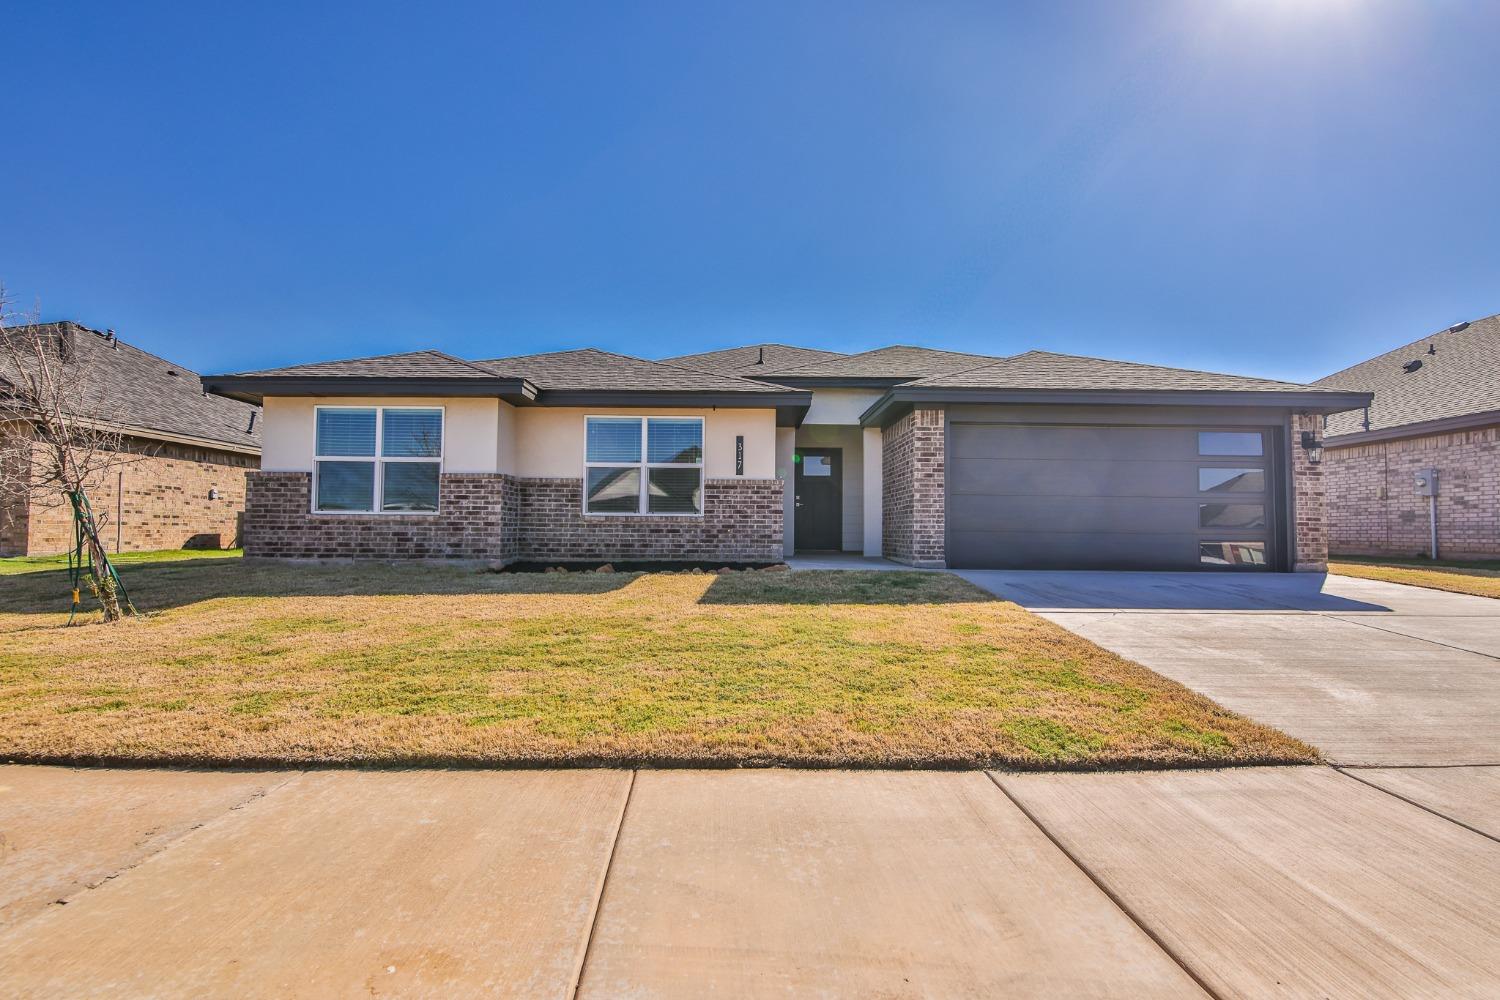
1440	426
790	406
896	402
254	388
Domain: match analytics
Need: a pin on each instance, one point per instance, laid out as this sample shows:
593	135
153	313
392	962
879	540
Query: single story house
931	458
180	481
1435	405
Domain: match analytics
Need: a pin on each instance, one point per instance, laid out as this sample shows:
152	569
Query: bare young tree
56	441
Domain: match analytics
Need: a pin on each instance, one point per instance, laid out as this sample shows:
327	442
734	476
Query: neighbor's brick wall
741	522
476	520
1309	500
499	517
913	489
1374	508
14	514
156	498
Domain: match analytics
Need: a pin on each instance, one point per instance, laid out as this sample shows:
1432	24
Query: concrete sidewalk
1292	881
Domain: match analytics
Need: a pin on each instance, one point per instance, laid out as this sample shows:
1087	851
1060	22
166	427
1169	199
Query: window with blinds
377	459
643	465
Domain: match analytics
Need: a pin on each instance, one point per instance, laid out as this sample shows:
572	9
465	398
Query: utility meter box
1427	482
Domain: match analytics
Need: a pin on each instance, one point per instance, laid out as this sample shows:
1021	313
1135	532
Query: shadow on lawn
158	587
843	587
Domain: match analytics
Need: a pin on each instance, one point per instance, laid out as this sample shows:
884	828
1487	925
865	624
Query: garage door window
1229	443
1251	554
1231	480
1231	515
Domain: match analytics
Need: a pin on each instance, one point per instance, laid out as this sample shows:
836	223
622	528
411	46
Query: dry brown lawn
245	662
1456	577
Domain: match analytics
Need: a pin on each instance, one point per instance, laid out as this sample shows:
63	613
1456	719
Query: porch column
874	453
786	471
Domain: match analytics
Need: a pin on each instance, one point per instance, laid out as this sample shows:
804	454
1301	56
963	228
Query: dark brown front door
820	498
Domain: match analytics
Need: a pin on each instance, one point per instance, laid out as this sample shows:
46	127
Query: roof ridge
888	347
990	363
466	363
115	338
696	371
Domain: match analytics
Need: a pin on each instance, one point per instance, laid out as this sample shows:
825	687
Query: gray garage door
1110	497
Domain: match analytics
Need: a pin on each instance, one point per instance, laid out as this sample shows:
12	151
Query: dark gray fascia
897	402
1439	426
790	407
253	389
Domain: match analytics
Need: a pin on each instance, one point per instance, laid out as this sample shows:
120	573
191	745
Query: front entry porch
833	490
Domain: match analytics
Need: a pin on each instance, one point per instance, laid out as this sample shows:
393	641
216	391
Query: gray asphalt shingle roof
1045	370
412	364
1460	379
753	358
140	391
590	370
898	362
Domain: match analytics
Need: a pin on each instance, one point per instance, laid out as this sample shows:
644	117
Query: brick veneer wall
741	522
476	520
499	517
1309	500
14	512
913	502
1374	509
156	498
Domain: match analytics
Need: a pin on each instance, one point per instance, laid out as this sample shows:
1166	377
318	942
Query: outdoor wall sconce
1313	447
213	492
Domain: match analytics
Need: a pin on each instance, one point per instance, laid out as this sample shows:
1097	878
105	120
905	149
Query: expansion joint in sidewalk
1109	893
598	904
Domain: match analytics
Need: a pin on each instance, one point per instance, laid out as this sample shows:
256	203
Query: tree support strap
88	563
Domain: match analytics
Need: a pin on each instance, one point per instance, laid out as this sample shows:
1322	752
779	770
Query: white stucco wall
505	439
470	429
549	439
839	406
489	435
874	466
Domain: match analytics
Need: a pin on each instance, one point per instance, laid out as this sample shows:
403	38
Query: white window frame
643	506
379	460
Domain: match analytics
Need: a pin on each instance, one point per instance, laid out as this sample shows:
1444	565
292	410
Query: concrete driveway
1370	673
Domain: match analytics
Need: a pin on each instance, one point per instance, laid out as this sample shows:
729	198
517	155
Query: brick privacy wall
913	489
476	520
1374	509
1309	501
14	514
499	517
157	498
741	522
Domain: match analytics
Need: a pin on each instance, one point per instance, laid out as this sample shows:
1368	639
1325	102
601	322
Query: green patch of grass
1207	738
14	565
417	663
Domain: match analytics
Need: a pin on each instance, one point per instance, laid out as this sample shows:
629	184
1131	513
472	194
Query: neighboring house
181	481
928	457
1436	406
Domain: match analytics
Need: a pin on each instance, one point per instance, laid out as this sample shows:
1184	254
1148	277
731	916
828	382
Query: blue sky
1276	187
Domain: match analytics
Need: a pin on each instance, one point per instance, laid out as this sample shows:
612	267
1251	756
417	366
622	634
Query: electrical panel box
1427	482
